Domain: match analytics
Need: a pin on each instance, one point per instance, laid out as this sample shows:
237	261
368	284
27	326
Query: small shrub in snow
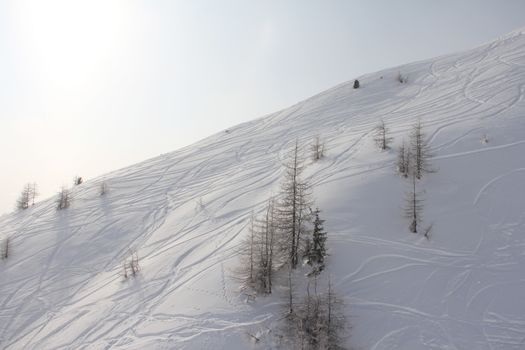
77	180
401	78
428	232
131	266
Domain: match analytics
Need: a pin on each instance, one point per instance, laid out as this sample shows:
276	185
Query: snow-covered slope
185	212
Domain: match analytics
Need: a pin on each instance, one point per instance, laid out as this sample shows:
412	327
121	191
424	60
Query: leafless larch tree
381	136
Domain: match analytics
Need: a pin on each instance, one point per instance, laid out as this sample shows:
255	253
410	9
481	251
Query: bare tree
258	252
335	320
5	248
420	151
265	243
318	148
293	206
34	192
251	251
246	271
64	198
290	290
403	160
24	198
381	137
413	206
130	266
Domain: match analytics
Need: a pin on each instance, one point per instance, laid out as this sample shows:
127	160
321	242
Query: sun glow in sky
70	40
58	86
87	87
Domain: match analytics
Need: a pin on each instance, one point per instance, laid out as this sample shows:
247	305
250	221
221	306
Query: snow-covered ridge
185	212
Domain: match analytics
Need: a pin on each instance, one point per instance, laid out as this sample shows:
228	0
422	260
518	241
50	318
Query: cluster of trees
288	235
30	192
317	322
63	201
258	251
64	197
279	237
413	161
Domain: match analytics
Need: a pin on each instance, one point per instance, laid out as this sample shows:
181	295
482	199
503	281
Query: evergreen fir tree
318	247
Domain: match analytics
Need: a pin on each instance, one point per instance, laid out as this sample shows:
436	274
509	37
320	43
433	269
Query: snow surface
185	213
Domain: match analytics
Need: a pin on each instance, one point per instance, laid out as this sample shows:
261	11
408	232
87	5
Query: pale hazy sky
87	87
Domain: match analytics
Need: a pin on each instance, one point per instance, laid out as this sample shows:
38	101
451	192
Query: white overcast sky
87	87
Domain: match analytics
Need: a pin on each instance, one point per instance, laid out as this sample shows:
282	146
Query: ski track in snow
185	212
